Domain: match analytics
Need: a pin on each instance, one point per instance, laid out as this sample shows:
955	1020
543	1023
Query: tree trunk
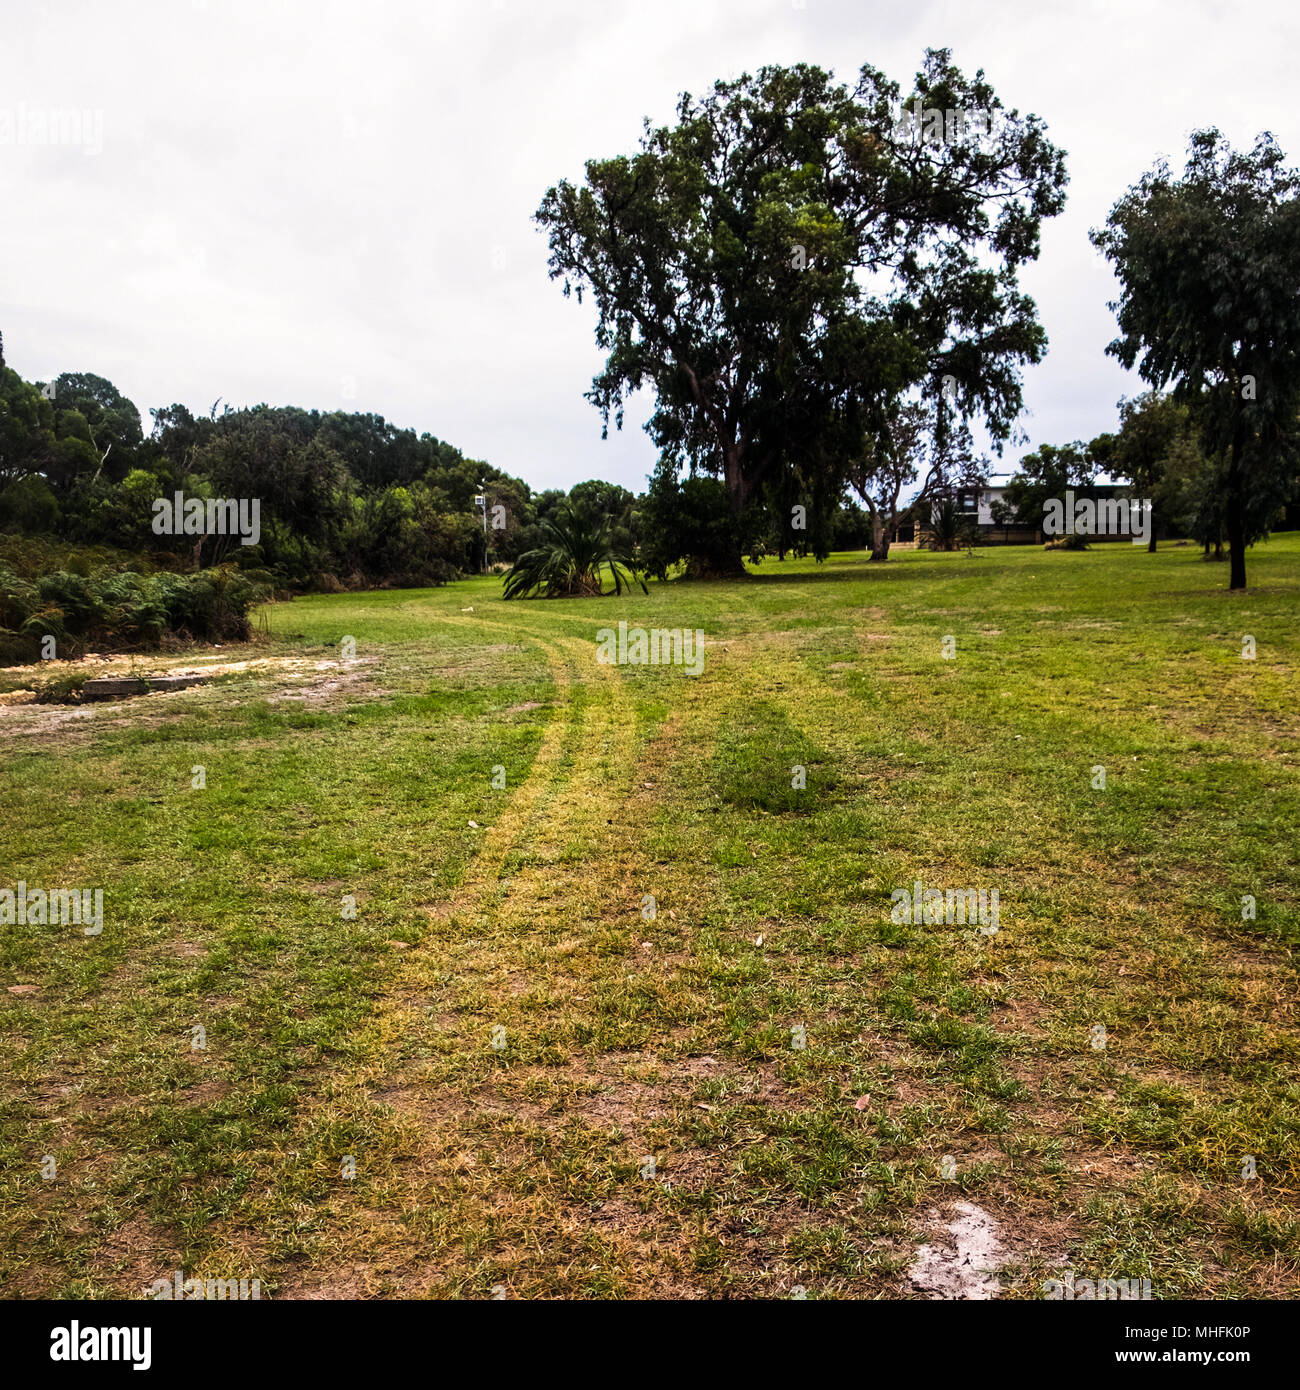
1235	517
738	486
728	566
879	539
1151	541
1236	544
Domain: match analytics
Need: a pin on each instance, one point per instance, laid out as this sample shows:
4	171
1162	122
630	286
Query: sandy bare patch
159	663
327	682
963	1262
306	681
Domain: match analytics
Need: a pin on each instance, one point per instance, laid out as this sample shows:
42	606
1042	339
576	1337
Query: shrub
691	521
123	610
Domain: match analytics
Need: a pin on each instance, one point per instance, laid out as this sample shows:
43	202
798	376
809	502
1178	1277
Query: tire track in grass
573	779
508	930
519	1169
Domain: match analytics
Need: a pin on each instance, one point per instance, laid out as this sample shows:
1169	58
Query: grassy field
507	1029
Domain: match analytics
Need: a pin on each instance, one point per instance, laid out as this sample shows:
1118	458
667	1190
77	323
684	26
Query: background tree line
344	498
824	301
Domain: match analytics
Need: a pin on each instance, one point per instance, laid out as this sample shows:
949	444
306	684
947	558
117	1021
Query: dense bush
690	521
120	610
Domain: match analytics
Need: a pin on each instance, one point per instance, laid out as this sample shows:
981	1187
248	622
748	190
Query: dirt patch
206	1092
359	1282
331	682
308	682
964	1261
134	1255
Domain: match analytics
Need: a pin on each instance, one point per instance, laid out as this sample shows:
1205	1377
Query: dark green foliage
344	500
947	526
914	440
614	502
28	506
850	528
1047	473
690	522
1158	450
26	432
1208	267
90	408
122	610
724	257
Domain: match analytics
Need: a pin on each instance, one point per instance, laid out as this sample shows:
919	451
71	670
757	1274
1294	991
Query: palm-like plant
949	528
576	548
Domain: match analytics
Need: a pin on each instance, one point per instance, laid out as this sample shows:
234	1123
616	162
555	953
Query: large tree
1209	272
789	259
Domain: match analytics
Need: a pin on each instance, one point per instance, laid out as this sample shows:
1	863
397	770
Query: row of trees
822	298
824	301
341	496
357	497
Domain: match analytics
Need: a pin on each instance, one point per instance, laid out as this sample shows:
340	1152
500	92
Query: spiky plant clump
576	551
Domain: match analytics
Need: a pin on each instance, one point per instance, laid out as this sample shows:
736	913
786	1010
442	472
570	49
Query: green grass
628	1035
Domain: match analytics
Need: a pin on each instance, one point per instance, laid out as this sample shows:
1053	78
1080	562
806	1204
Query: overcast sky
329	205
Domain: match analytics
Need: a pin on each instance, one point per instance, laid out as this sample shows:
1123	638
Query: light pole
481	501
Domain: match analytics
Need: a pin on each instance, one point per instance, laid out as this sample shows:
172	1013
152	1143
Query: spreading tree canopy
791	258
1209	272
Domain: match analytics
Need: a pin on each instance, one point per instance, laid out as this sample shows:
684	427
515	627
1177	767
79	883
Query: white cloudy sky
329	204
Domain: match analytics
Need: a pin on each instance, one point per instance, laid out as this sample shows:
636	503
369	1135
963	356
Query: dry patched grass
937	1069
